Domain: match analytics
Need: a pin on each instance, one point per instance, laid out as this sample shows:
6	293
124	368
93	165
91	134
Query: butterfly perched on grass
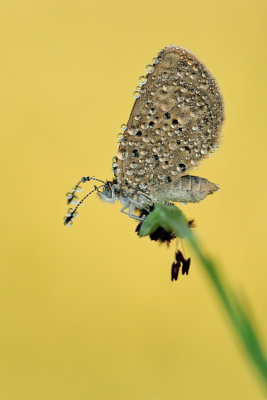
175	123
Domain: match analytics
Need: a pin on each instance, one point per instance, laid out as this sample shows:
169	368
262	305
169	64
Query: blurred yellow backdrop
89	312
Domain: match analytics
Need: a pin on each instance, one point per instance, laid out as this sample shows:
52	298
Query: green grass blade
173	220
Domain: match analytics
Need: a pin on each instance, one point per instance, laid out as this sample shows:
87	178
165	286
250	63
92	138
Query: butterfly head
109	193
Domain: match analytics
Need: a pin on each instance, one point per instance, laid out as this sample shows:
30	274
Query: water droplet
166	127
180	74
146	139
136	94
123	127
183	89
165	75
122	154
182	120
149	68
161	176
142	80
143	186
180	99
120	136
152	111
132	131
135	153
173	146
167	115
141	171
166	106
144	125
166	88
149	160
74	200
181	167
165	166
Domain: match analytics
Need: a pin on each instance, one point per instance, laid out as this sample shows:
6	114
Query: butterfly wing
174	124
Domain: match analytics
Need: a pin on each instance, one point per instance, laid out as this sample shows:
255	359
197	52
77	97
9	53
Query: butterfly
175	123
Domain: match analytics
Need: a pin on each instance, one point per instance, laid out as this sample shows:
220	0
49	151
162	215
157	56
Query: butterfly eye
107	191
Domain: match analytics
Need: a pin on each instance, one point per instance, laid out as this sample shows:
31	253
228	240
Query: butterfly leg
131	206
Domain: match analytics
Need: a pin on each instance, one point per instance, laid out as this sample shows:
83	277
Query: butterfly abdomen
187	189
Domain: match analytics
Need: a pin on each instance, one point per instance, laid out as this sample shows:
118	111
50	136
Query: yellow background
89	312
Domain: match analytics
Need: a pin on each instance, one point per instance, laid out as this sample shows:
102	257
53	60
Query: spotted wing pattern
175	122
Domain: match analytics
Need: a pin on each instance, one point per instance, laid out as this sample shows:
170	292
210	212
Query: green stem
172	219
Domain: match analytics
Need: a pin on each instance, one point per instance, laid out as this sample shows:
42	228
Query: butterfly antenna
72	213
73	198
